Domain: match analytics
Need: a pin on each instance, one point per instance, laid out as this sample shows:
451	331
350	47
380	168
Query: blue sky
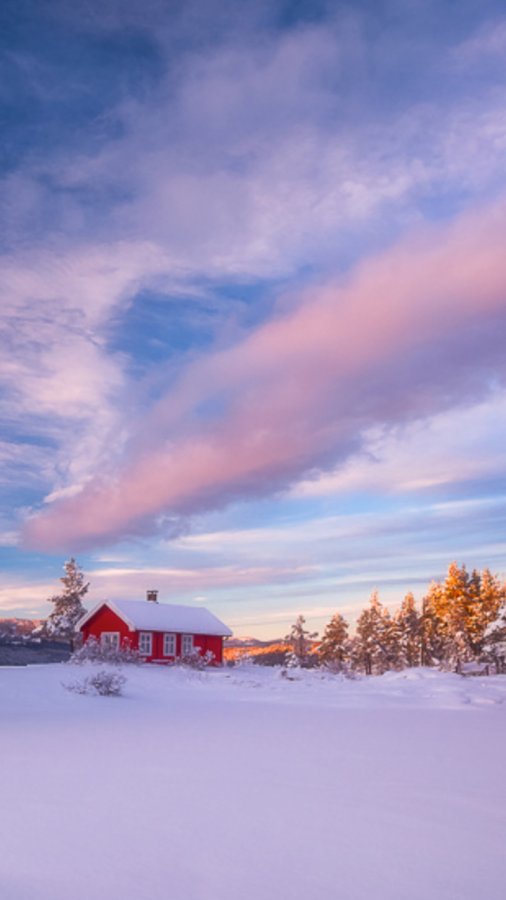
253	301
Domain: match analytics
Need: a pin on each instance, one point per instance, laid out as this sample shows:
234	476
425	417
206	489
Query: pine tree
373	646
474	612
449	610
456	615
494	642
392	642
300	639
68	606
433	634
461	597
492	596
332	650
409	633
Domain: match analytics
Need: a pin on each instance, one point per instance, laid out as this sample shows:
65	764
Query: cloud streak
446	453
409	333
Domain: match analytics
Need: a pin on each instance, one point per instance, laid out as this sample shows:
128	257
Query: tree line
461	620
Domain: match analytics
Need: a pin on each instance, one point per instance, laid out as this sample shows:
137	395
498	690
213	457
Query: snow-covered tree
432	629
492	598
494	643
373	646
300	639
461	596
68	606
456	615
408	633
333	648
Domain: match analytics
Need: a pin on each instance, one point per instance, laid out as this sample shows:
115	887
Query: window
169	645
145	643
109	640
187	647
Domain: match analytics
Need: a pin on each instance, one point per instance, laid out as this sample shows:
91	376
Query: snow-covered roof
144	615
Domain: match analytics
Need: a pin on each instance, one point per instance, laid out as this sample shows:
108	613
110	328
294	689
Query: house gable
104	611
104	619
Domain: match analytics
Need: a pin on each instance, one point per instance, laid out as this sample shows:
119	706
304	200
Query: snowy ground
239	784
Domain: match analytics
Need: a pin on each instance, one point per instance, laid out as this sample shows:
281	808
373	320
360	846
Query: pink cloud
411	332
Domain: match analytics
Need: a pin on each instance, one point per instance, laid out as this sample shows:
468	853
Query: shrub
244	660
343	669
196	659
103	683
94	651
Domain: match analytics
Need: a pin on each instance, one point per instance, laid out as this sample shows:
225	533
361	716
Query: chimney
152	596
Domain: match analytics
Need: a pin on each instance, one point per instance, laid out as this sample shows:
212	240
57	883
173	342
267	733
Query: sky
252	301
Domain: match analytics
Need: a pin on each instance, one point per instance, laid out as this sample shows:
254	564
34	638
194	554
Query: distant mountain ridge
248	641
22	644
271	652
13	629
268	652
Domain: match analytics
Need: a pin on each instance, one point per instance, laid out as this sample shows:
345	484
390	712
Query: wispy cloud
301	390
448	451
22	599
61	384
422	534
485	46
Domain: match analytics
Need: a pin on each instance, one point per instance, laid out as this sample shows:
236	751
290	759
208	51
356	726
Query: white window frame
142	636
173	641
109	640
185	649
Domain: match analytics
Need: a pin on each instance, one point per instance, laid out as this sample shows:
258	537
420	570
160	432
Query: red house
161	632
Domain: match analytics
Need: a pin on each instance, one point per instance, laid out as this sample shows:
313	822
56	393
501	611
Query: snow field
239	783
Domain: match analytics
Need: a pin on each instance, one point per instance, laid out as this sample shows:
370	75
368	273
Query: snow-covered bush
335	667
94	651
103	683
196	659
244	659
